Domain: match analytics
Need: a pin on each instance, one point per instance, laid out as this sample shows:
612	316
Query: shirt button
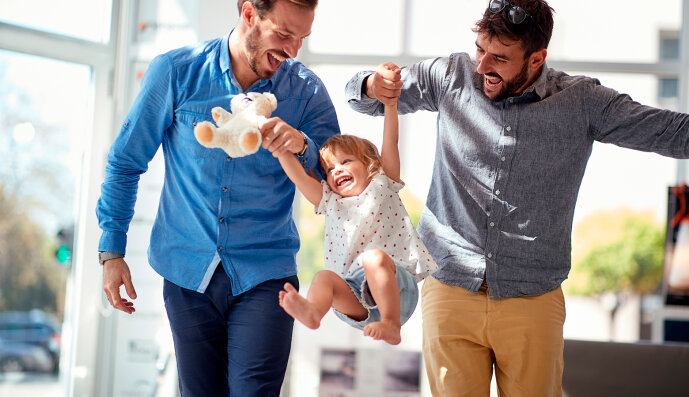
508	128
224	189
229	159
502	158
222	220
497	192
492	224
220	248
490	255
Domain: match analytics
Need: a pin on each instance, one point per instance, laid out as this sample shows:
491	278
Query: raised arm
389	152
308	186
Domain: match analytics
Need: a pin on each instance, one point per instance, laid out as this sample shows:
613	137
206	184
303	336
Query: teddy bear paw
204	133
251	141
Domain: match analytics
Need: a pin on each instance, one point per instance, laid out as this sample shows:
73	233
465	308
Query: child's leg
380	275
327	290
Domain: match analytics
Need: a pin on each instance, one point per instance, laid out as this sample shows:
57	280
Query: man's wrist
364	86
105	255
306	146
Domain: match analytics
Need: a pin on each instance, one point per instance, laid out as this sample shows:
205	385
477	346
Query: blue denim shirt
507	173
212	208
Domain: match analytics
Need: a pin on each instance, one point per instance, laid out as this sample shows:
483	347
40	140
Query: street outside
24	384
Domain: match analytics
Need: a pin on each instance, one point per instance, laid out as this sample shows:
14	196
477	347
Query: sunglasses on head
515	14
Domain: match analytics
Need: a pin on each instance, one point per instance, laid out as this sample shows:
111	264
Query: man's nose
483	64
292	48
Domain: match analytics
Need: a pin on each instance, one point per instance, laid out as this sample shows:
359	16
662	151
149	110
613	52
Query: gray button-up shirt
507	173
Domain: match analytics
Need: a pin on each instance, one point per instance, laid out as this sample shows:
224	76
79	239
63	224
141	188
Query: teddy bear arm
220	115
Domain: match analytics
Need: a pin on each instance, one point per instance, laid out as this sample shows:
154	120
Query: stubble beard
253	39
510	87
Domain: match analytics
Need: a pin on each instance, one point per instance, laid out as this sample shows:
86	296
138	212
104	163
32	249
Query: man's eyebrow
289	32
496	55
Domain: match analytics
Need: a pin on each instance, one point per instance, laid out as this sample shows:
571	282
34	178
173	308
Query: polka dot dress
375	219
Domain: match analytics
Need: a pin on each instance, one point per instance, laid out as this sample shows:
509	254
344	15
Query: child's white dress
375	219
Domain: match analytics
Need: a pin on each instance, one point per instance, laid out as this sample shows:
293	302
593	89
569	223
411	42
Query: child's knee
377	259
324	277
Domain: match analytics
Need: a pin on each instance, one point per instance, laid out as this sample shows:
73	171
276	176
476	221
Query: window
45	120
83	19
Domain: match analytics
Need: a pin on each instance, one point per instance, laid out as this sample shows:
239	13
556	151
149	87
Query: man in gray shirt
513	140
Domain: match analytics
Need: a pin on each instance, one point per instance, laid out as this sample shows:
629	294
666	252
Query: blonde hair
361	148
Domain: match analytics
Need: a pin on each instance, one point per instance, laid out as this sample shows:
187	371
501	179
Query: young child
373	255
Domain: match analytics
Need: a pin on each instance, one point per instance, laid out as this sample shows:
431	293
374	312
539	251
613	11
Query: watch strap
306	146
105	255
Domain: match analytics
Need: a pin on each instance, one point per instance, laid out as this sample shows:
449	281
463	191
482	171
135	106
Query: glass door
45	117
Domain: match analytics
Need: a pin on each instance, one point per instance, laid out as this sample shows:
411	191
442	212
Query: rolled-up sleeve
137	142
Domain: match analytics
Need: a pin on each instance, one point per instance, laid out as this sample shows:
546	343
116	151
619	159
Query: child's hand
279	137
386	84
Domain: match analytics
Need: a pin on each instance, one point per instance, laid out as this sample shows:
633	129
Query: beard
510	87
253	48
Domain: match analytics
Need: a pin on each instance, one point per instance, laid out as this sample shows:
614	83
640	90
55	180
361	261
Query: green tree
628	263
632	263
36	193
29	276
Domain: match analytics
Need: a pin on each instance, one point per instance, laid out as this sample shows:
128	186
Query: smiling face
347	175
505	70
275	37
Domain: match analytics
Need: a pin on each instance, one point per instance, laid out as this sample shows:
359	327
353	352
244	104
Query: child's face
346	174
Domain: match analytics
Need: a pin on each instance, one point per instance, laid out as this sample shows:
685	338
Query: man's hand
115	274
386	84
280	138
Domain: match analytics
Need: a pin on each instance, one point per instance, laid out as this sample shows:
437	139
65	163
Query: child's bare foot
385	330
298	307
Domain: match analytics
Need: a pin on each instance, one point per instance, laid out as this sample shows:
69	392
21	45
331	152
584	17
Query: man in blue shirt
223	239
513	140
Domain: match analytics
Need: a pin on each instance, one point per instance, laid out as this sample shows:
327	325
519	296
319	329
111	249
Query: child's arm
389	152
309	187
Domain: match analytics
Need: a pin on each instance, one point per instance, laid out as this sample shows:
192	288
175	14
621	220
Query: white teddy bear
237	133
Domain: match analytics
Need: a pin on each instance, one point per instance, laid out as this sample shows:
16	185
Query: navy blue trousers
229	345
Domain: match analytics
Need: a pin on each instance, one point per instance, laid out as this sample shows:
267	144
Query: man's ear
537	58
248	13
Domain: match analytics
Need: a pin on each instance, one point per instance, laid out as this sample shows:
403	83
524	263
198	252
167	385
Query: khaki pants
465	334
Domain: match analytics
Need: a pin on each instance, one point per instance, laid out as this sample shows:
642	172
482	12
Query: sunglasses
515	14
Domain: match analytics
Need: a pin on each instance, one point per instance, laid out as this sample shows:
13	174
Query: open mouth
491	81
275	60
343	180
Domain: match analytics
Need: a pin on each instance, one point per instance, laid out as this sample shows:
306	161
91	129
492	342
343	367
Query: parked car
24	357
33	327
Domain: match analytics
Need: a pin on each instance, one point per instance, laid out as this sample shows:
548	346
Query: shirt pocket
182	135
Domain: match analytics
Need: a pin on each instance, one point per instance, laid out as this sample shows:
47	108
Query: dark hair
532	38
264	6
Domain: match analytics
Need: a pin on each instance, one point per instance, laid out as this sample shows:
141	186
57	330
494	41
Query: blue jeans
229	345
409	296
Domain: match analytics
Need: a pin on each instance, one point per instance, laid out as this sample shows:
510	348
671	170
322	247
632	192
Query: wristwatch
104	256
306	146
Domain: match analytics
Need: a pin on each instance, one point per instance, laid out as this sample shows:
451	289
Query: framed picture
676	266
338	372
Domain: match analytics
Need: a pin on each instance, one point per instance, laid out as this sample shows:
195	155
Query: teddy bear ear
271	99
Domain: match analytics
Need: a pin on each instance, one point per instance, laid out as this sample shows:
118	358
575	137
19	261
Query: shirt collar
226	65
539	86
